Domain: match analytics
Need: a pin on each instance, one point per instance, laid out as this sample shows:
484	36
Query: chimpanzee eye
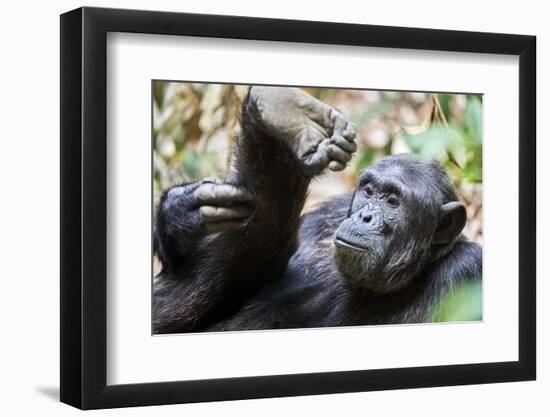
392	201
368	191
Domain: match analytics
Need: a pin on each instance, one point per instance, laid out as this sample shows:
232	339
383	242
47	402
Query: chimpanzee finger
345	144
350	132
336	166
321	113
218	214
318	160
338	154
340	123
220	194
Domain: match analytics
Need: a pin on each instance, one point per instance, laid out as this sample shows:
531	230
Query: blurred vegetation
194	126
192	130
463	304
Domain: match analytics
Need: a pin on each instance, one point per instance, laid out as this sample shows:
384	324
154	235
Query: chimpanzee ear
453	219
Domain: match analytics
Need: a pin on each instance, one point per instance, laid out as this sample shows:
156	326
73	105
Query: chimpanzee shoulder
321	222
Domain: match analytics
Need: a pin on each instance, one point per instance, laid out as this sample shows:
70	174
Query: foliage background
194	125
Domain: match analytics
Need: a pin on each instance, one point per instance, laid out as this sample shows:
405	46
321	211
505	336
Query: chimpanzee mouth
346	244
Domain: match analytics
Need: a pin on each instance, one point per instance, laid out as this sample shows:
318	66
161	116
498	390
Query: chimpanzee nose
368	217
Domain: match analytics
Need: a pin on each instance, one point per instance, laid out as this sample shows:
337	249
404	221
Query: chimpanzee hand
319	135
207	206
223	206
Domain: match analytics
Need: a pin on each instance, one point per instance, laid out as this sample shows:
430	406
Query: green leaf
444	102
473	172
463	304
435	142
158	92
472	118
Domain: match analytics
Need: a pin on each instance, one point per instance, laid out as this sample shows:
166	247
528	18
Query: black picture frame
84	207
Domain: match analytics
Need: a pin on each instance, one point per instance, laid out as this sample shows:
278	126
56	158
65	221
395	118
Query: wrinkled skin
237	254
392	228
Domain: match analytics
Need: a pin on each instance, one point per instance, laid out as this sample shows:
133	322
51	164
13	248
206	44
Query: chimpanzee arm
219	241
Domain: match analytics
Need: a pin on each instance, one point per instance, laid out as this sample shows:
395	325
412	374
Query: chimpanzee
237	254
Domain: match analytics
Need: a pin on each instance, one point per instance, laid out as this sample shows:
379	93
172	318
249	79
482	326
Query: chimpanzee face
395	223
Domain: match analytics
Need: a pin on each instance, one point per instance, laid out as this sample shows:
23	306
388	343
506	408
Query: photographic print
300	207
282	209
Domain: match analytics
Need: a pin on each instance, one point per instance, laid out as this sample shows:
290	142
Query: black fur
277	270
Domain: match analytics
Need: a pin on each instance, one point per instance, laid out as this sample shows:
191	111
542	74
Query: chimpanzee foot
223	206
319	135
334	152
